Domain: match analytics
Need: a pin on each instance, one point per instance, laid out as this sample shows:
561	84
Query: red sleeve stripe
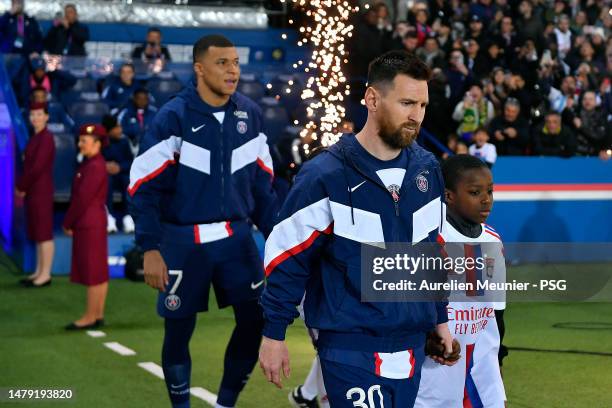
132	189
297	249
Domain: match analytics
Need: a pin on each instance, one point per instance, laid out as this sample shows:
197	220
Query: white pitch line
120	348
153	369
95	333
197	392
204	395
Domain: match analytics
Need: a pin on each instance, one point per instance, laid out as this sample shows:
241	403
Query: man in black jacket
68	35
152	49
553	139
510	131
19	32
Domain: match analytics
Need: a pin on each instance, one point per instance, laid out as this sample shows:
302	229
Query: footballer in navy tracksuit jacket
202	178
342	198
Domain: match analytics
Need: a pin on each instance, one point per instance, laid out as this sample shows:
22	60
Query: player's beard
398	137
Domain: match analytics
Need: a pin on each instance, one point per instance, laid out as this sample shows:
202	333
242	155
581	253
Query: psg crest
172	302
241	127
422	183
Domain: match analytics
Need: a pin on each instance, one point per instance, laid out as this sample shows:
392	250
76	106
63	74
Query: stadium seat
85	89
87	112
59	121
275	119
64	165
164	89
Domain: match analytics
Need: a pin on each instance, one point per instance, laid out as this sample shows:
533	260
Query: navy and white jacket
117	94
315	249
196	172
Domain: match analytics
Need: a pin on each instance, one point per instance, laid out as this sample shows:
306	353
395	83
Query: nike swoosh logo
178	386
357	186
197	128
256	285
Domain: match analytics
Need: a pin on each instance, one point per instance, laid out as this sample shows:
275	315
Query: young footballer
475	381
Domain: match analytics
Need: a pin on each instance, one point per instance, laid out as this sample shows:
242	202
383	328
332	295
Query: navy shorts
231	264
351	386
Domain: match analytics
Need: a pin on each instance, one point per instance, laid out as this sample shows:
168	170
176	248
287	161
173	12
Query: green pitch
35	351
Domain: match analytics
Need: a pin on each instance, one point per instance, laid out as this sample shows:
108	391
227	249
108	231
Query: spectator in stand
367	43
592	130
473	112
136	118
559	98
36	186
423	30
119	155
579	22
510	131
67	36
411	41
19	32
120	90
482	149
442	29
476	61
530	25
553	139
494	88
563	36
85	222
458	76
431	54
54	81
485	10
493	56
477	30
152	49
507	38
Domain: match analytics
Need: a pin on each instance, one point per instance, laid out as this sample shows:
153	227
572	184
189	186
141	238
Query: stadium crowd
534	74
510	78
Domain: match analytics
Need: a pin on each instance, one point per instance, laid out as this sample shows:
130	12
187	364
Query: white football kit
475	380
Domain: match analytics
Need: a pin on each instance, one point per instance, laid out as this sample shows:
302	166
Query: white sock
310	389
221	406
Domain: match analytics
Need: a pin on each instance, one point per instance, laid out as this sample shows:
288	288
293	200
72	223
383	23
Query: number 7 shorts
350	385
222	254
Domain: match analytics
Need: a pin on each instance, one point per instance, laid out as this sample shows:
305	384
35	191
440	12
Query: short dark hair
127	64
140	91
109	122
213	40
154	30
455	167
385	68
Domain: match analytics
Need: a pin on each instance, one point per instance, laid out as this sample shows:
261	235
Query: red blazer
37	178
88	198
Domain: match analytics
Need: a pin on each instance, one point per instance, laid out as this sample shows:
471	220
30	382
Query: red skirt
39	218
89	256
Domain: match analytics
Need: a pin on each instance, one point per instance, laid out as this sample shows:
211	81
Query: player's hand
68	232
448	349
274	356
155	270
20	194
112	168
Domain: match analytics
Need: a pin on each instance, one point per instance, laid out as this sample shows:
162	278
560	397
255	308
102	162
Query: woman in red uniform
85	221
36	185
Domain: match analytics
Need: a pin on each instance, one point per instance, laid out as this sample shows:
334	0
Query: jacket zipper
379	184
222	175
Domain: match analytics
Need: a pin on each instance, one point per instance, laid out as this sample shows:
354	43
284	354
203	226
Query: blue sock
176	361
242	352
